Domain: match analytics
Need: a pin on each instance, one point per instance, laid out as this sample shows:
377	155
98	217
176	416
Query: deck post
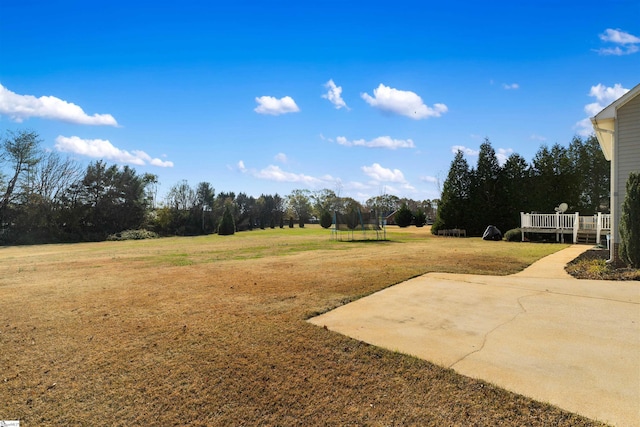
576	226
522	225
598	227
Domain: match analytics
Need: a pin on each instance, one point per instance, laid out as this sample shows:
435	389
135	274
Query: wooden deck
581	228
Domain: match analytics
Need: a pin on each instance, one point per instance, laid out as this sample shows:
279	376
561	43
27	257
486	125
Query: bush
513	235
325	219
420	218
404	216
132	235
438	224
227	224
630	223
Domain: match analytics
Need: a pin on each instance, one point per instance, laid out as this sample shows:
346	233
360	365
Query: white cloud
281	157
379	142
405	103
334	95
275	107
430	179
22	107
604	96
511	86
626	43
380	174
618	36
274	173
503	154
465	150
104	149
537	137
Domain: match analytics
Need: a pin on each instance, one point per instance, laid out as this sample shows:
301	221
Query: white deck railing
548	221
565	223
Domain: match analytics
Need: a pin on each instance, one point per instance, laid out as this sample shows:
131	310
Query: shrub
438	224
513	235
325	219
227	225
420	218
404	216
630	223
132	235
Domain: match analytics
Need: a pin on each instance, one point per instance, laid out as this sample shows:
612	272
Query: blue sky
362	98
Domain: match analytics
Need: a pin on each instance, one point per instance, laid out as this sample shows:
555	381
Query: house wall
627	152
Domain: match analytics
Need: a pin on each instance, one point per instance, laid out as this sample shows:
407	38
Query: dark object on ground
492	233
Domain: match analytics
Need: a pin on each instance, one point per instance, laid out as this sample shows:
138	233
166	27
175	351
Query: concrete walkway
540	333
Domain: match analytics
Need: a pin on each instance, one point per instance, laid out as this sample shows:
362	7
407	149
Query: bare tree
51	177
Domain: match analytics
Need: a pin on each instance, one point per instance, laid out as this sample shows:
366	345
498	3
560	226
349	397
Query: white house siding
627	149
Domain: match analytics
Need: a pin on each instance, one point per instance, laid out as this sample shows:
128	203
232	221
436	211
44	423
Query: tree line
493	194
48	198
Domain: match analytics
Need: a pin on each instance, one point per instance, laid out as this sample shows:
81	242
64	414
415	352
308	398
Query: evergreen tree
404	216
592	175
454	201
554	180
484	198
630	223
325	219
227	225
515	189
420	218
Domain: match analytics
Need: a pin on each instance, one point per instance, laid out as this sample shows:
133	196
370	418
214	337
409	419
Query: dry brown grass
211	331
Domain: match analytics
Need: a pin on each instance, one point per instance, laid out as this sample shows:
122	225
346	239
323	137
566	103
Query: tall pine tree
453	210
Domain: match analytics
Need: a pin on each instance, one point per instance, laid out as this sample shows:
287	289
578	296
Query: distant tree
246	211
266	211
352	213
385	204
428	207
186	215
630	223
19	153
151	188
181	196
299	205
205	196
404	216
324	201
227	225
278	210
39	210
107	200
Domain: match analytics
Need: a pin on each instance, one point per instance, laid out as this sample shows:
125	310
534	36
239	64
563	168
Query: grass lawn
211	331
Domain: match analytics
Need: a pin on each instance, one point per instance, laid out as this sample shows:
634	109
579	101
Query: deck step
586	238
